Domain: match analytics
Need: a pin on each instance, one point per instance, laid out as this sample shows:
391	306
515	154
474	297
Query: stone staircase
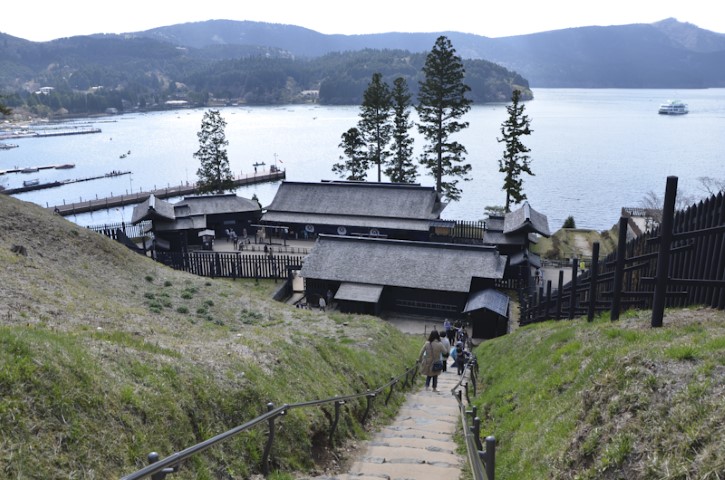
419	444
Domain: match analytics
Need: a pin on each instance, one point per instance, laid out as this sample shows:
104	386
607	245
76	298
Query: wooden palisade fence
680	263
232	264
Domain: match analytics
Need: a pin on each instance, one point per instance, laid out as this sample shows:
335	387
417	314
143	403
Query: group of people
455	332
233	237
435	353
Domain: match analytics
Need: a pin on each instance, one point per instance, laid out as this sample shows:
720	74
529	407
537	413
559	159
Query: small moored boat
65	166
31	183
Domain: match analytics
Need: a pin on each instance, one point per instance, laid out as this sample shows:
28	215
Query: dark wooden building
488	313
512	234
372	276
178	225
365	209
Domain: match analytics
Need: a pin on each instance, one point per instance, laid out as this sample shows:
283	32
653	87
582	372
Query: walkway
419	444
132	198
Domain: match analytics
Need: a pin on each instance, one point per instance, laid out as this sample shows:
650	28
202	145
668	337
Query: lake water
592	151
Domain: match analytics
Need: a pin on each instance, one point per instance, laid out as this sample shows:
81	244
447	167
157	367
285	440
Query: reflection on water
592	151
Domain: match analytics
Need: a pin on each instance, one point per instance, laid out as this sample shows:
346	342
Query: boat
65	166
31	183
29	170
673	107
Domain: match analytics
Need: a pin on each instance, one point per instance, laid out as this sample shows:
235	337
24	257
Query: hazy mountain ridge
145	68
665	54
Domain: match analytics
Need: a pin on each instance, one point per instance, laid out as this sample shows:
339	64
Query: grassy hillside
576	243
604	400
106	356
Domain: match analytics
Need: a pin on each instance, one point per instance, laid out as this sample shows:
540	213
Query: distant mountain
224	61
666	54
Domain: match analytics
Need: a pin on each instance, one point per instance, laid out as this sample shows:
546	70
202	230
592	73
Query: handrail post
338	404
476	431
153	457
392	385
369	397
270	439
468	399
490	463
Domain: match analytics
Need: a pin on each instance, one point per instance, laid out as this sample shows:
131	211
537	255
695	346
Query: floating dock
29	186
138	197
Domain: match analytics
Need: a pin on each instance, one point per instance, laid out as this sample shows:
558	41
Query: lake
593	152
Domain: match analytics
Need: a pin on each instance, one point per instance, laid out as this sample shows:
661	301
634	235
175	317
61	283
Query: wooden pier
138	197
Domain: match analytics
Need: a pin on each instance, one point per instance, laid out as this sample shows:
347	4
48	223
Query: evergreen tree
401	168
441	103
356	164
514	162
4	110
214	174
374	124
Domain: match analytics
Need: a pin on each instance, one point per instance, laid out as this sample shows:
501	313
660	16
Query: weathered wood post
663	256
619	270
559	293
593	285
572	298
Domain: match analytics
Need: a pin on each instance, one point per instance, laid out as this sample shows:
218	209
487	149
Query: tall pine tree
514	162
355	164
441	103
400	167
374	124
214	174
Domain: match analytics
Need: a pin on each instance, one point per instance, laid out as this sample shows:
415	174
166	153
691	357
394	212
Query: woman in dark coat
431	351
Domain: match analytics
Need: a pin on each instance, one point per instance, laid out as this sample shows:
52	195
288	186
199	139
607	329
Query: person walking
430	360
446	353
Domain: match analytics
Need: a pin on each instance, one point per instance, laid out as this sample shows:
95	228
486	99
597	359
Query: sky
50	19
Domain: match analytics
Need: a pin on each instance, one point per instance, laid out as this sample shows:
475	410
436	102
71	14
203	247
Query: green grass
106	356
606	400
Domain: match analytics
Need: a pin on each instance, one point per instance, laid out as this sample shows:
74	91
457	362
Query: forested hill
665	54
90	74
262	63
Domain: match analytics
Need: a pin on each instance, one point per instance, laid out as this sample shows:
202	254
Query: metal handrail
482	462
158	469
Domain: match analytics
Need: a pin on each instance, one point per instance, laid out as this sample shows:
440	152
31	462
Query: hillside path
418	444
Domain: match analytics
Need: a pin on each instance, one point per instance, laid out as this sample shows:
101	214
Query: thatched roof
400	263
363	204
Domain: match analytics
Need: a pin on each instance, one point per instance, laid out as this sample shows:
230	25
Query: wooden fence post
663	256
572	298
559	293
619	270
593	282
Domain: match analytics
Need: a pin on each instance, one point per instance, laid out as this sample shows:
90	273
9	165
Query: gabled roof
191	212
489	299
527	220
213	205
525	257
400	263
366	204
152	209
